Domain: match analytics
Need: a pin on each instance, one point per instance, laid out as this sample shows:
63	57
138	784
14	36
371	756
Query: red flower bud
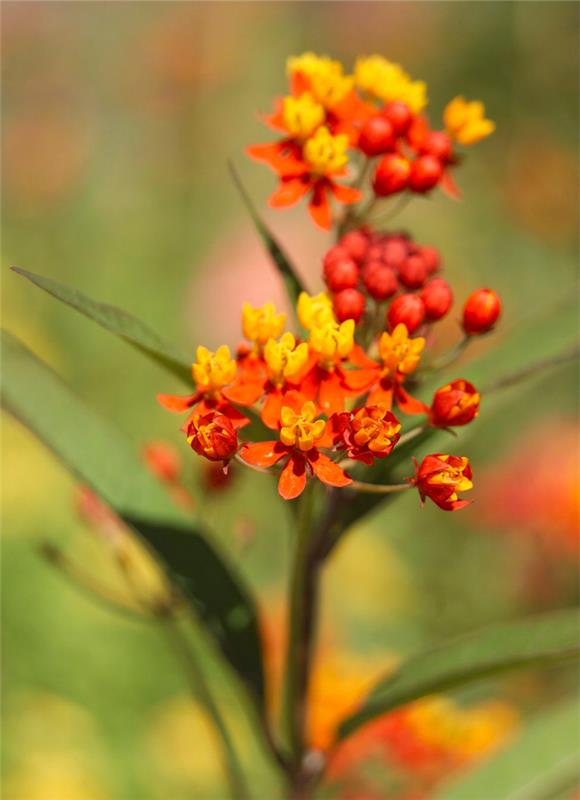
391	175
341	274
454	404
379	280
438	144
431	257
336	253
413	272
395	251
481	311
426	172
440	477
399	115
438	299
408	309
349	304
356	244
377	136
163	461
212	436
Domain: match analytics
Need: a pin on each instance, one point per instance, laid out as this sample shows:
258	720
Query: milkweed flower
465	121
213	436
389	82
441	478
457	403
212	374
261	324
301	435
367	433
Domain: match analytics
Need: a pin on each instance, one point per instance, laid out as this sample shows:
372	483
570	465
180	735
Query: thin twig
533	369
378	488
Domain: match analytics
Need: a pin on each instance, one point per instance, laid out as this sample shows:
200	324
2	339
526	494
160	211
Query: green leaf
100	457
534	642
119	322
281	260
542	762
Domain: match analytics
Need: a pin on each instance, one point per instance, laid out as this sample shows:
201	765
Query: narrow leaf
539	641
100	457
281	260
543	762
117	321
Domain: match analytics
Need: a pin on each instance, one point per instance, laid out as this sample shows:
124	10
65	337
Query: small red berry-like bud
481	311
431	257
395	251
212	435
341	275
426	172
413	272
379	280
336	253
399	115
356	244
438	299
391	175
454	404
377	136
408	309
349	304
438	144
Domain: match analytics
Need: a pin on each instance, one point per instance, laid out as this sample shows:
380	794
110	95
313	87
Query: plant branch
379	488
531	370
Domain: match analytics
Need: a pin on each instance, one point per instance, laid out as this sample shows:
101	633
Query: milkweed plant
337	405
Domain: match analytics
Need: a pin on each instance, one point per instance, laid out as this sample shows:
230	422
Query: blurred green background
118	119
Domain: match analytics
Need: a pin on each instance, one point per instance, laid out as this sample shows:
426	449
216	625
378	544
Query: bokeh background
118	119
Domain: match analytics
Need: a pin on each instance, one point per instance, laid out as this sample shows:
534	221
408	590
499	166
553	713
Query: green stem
379	488
201	692
532	369
302	607
450	356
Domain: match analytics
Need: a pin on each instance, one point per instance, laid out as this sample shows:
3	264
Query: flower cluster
330	400
374	116
384	266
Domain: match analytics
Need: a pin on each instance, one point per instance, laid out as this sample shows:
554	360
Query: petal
293	477
359	358
173	402
235	416
299	83
319	207
263	454
331	396
359	379
381	395
326	470
245	394
272	408
448	185
345	194
409	404
288	192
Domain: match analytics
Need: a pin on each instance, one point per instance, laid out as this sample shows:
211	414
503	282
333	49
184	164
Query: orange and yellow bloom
441	478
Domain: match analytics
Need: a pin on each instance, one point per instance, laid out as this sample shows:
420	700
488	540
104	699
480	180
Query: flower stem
450	356
379	488
301	622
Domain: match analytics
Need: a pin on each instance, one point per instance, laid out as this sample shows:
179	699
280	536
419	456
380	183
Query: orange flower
457	403
400	356
309	167
212	436
440	477
212	373
300	436
366	434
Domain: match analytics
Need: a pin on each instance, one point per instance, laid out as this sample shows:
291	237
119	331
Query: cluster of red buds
334	392
376	116
386	267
